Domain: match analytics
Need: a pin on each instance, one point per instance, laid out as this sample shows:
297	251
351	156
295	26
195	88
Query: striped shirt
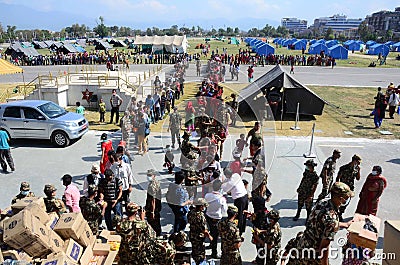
110	188
116	100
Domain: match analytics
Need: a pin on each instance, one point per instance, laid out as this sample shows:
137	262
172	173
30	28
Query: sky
195	12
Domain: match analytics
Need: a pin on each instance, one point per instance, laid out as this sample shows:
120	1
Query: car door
35	124
13	121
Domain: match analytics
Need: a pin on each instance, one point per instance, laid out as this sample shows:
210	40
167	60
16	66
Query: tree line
11	33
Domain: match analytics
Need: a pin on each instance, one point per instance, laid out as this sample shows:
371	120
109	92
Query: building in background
294	24
385	20
337	23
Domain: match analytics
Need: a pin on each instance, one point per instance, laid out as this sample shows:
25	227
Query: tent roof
70	48
278	78
9	68
161	40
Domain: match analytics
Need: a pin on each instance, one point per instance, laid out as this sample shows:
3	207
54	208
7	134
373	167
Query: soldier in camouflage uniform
53	204
198	230
153	202
175	121
24	192
188	150
322	227
191	179
290	249
222	115
136	235
327	173
347	174
306	189
230	238
91	210
165	250
269	236
259	176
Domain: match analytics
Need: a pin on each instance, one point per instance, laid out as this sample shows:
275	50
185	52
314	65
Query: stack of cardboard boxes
52	240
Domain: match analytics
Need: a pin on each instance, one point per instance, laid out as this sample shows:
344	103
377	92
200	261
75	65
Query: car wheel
60	139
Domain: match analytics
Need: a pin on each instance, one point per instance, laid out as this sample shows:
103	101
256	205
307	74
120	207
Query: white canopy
170	43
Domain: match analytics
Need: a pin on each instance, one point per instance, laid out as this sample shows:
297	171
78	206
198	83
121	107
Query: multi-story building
385	20
337	23
294	24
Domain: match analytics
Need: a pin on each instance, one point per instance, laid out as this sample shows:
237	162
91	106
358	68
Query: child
169	159
80	109
102	110
240	144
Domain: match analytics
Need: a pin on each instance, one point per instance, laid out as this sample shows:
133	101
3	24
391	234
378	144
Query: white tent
172	44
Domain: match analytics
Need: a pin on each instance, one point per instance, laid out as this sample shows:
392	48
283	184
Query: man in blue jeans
178	201
111	188
5	153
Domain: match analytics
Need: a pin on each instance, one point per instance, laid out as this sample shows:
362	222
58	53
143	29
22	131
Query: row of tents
259	46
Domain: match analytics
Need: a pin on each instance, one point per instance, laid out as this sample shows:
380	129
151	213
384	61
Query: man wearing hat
153	202
270	237
230	238
198	230
307	188
24	191
328	170
322	226
175	123
91	210
92	179
188	149
136	236
348	174
53	204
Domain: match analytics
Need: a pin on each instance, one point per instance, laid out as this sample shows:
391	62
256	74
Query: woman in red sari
106	146
371	191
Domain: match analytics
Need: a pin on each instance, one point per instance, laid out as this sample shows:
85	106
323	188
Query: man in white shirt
123	172
216	209
393	102
235	186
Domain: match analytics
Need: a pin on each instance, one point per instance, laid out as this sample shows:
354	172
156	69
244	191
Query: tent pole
310	153
297	118
282	102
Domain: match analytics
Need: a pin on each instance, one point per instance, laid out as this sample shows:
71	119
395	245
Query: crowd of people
388	100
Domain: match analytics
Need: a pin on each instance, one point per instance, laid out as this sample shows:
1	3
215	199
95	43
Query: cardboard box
21	204
7	212
73	250
360	236
60	259
37	211
56	242
86	256
110	258
101	249
40	246
391	242
53	219
87	238
23	229
70	225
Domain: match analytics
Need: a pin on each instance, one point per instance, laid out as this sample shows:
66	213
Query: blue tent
316	48
331	43
265	49
370	43
321	41
389	43
258	44
338	52
275	40
298	45
396	47
352	45
251	41
313	41
379	48
347	42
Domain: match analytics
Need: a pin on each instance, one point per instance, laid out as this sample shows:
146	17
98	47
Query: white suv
41	119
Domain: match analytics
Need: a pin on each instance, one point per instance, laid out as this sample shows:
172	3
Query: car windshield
52	110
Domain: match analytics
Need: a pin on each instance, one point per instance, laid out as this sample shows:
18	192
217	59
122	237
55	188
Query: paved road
308	75
39	163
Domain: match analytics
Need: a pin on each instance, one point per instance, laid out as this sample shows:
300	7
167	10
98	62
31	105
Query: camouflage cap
233	209
274	215
356	157
310	162
200	202
92	189
48	188
132	207
25	186
151	172
337	151
340	188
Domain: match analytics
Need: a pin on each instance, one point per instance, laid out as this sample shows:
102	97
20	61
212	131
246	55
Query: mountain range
26	18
